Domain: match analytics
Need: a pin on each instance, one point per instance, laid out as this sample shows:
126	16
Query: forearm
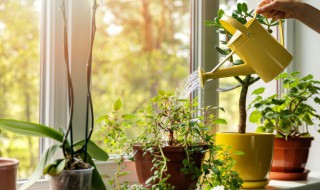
309	15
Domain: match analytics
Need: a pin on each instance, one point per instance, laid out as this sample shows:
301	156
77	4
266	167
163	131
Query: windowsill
313	183
106	169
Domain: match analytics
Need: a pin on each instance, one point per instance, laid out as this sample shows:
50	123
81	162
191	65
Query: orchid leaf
94	150
97	182
44	160
30	129
55	168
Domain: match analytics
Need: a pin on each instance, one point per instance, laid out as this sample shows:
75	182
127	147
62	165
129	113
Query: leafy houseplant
78	156
262	153
286	114
169	152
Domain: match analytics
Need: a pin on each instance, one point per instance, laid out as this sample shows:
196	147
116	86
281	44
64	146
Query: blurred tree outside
19	78
141	46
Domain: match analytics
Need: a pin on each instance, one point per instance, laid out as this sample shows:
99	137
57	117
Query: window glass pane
229	100
19	78
141	46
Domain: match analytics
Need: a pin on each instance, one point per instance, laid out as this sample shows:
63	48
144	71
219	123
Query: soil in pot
290	158
176	155
72	179
8	173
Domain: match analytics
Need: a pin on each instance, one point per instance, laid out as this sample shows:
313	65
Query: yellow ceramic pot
254	166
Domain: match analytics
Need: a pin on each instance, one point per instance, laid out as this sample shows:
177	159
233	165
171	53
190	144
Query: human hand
277	9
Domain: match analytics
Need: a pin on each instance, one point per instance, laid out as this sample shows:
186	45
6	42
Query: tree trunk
147	27
242	105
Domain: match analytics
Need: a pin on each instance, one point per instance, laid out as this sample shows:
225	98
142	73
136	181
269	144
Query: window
19	78
139	51
147	42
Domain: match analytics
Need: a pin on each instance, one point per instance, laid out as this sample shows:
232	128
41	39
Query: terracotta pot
290	158
176	155
72	179
254	166
8	173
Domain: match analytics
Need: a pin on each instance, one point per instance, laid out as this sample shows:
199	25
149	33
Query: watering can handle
232	25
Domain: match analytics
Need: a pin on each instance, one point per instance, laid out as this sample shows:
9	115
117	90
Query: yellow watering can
261	52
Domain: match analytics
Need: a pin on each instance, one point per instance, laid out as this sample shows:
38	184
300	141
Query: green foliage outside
19	78
137	52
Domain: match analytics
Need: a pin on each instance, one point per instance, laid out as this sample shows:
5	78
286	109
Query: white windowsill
107	168
313	183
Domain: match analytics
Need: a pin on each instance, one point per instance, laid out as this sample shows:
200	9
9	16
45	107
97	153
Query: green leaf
97	182
95	151
242	20
238	153
244	7
117	105
258	91
260	129
282	76
255	116
219	121
238	62
46	157
30	129
55	168
220	13
221	51
124	173
239	7
128	116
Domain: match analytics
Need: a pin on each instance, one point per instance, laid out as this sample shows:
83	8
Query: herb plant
287	113
241	14
171	121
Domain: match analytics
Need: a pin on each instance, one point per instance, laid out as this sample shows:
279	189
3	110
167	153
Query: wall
306	55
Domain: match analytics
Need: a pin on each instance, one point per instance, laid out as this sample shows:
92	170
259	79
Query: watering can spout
225	72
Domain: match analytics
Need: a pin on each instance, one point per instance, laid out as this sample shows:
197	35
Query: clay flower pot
290	158
175	154
8	173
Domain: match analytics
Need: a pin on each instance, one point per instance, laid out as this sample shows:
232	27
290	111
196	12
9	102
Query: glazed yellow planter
254	166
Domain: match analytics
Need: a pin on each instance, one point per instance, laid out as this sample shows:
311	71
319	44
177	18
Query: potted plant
254	165
289	115
174	147
75	169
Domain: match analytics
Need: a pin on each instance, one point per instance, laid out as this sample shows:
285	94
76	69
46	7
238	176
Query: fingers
267	8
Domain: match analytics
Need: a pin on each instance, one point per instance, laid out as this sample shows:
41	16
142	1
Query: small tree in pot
263	147
286	114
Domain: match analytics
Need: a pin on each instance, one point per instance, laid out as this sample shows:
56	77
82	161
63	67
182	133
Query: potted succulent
289	115
76	170
174	147
257	147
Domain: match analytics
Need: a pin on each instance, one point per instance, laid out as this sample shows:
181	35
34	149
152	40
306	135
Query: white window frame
53	87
